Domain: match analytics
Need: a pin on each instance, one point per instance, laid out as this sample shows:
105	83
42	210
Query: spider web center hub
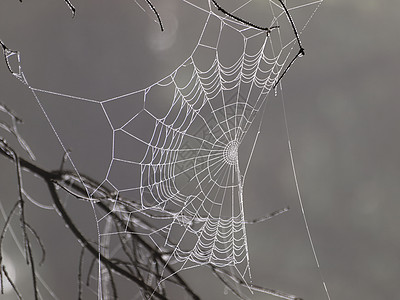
231	152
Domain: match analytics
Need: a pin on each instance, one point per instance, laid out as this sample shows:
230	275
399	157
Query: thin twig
301	51
64	159
39	242
125	250
11	283
288	67
1	240
146	269
80	273
71	7
224	11
8	111
156	13
113	285
267	217
90	271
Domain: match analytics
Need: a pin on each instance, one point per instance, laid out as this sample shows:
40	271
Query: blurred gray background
342	108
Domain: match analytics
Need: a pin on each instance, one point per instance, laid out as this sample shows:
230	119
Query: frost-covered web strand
194	180
303	213
179	143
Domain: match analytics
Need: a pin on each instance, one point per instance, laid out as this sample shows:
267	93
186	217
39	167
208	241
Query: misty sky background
342	106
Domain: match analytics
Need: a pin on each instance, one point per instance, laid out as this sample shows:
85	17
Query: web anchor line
296	182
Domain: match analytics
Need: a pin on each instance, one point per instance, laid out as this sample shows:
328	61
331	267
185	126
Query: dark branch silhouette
301	51
224	11
156	13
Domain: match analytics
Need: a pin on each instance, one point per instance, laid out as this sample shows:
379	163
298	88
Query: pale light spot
163	40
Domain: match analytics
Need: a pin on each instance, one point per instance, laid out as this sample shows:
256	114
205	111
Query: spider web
176	144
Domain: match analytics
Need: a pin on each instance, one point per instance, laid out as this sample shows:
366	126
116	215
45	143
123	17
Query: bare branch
11	283
267	29
1	241
80	273
156	13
